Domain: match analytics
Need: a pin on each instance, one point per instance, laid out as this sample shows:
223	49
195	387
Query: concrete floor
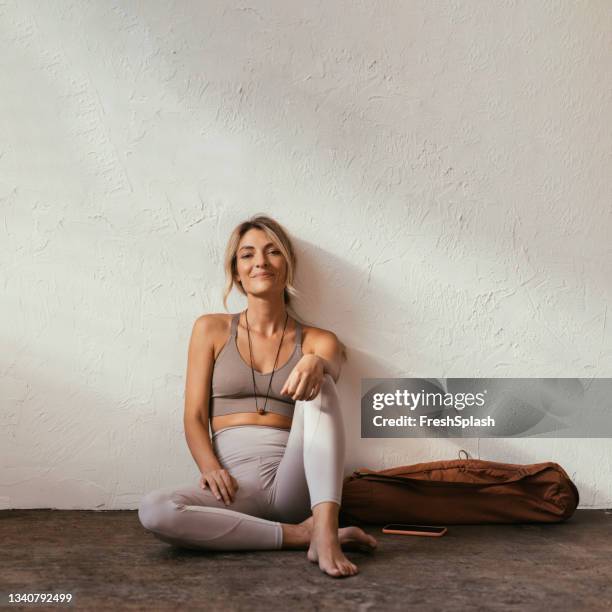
109	562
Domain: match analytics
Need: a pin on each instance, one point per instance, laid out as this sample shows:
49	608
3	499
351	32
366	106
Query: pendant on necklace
260	410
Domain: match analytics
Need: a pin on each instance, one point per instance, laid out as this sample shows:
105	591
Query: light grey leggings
281	475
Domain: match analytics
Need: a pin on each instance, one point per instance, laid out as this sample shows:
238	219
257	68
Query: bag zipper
407	480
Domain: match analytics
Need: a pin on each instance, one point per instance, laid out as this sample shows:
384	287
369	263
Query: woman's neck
265	317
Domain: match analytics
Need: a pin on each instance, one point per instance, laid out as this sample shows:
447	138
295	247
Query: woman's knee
157	510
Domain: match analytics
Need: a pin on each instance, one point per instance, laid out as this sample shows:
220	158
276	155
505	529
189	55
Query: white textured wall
444	166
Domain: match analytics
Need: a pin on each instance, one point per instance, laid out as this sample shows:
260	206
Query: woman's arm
323	354
200	364
325	345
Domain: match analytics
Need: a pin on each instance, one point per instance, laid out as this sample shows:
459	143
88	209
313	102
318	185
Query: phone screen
422	528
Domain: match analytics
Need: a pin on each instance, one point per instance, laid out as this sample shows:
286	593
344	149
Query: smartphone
418	530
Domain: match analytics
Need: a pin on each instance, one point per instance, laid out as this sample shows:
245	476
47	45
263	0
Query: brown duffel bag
460	491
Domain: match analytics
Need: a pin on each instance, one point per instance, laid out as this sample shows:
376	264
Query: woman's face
260	264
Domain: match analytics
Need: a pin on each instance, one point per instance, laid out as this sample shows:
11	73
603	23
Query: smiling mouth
262	276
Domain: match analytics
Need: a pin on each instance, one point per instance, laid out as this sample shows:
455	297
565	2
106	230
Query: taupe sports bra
232	381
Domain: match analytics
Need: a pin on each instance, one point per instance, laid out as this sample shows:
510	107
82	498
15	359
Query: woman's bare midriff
270	419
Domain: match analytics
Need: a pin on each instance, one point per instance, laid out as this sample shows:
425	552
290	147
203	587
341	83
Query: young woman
266	384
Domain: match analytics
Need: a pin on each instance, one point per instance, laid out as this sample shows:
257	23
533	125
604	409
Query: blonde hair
279	236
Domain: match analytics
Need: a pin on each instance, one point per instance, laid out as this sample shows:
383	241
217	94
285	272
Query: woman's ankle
295	536
325	515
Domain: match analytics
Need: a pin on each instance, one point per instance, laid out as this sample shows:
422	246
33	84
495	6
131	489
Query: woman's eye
270	252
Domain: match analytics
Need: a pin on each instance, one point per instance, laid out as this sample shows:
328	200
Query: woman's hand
304	381
221	483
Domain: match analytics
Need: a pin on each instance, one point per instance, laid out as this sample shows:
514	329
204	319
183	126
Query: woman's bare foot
325	549
325	546
350	538
355	538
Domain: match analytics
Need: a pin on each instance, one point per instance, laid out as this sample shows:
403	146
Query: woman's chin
265	289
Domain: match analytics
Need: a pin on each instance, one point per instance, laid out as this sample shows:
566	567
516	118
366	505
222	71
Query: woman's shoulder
313	336
214	329
215	323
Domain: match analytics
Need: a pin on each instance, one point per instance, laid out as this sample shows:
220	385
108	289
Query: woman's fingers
307	390
229	487
304	389
213	483
315	392
214	489
289	386
300	392
222	489
221	484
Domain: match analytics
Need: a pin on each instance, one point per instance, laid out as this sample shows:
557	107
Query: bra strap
298	333
234	324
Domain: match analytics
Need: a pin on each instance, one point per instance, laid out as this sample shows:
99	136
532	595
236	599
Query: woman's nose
260	260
